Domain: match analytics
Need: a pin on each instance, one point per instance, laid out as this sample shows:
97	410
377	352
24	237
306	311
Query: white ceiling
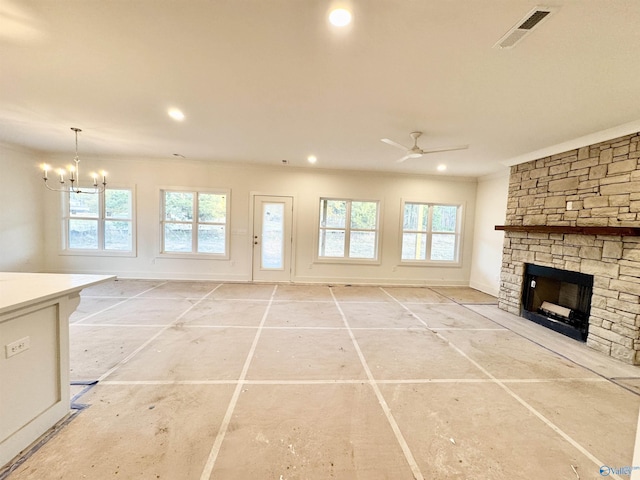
265	80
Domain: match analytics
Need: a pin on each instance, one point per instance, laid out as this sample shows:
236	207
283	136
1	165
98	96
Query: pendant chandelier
73	172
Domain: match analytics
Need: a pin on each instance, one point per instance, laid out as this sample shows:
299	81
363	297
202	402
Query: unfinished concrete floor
200	380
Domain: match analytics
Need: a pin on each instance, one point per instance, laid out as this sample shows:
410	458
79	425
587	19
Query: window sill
430	263
192	256
97	253
346	261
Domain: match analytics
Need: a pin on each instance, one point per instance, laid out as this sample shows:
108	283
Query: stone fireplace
579	211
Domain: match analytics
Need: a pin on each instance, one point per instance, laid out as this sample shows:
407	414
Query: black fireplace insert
558	299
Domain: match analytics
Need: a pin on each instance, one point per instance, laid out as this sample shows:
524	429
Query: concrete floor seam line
515	396
115	305
554	380
167	382
240	327
153	337
249	327
124	325
362	302
402	329
102	297
302	327
162	297
355	381
532	410
407	309
162	325
461	329
250	300
286	300
224	426
433	330
411	461
555	352
450	303
490	380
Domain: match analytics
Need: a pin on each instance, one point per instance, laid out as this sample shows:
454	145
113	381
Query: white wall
307	185
21	211
491	207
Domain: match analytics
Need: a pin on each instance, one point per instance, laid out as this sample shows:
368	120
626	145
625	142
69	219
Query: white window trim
193	254
346	260
99	252
427	262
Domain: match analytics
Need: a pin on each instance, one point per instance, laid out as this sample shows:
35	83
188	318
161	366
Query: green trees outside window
430	232
348	229
100	222
194	222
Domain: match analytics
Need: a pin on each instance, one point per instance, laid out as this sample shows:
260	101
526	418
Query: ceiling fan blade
446	149
406	157
393	144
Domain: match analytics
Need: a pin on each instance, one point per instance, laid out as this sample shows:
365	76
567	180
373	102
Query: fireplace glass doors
558	299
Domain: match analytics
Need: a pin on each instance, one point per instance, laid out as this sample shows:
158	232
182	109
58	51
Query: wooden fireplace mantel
614	231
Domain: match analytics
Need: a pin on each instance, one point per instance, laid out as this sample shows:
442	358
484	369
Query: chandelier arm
53	189
74	178
69	189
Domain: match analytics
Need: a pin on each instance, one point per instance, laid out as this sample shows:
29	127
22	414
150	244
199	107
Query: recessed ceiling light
442	168
176	114
340	17
312	159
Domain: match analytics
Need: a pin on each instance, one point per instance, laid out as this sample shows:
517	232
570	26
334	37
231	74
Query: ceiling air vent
523	27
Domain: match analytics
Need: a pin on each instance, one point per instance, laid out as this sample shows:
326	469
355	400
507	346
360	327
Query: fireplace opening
558	299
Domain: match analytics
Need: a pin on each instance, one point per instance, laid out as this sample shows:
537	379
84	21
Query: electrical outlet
18	346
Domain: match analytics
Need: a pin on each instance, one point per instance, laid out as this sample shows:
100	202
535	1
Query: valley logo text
605	470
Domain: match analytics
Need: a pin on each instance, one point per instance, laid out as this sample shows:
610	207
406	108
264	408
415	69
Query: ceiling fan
417	152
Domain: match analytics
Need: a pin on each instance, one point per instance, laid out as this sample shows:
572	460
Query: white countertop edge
18	289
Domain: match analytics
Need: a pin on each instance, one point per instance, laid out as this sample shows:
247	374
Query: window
430	232
348	229
195	222
100	223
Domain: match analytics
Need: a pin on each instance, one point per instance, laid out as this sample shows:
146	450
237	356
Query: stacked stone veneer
602	182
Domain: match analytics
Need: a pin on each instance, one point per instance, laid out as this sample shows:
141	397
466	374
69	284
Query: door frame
252	250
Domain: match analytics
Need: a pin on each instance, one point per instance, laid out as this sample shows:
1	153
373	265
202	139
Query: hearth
557	299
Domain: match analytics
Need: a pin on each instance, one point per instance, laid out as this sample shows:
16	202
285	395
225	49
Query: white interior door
272	220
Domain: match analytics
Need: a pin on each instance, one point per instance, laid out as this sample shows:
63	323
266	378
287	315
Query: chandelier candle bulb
74	176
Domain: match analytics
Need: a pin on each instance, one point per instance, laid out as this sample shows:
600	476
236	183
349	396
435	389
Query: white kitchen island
34	360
